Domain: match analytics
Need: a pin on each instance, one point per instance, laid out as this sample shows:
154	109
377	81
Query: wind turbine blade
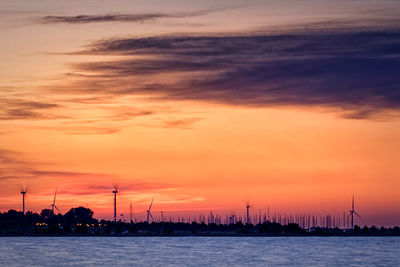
151	216
24	188
358	215
151	204
57	208
55	194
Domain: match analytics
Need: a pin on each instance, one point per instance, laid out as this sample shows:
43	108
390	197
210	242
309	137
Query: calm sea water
195	251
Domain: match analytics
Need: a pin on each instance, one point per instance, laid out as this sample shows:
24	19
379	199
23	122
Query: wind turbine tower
248	214
23	192
53	205
352	212
149	212
115	191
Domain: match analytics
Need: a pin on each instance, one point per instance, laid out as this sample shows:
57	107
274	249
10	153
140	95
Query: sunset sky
203	105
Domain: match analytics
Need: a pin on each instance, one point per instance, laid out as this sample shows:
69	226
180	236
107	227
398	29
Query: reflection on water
193	251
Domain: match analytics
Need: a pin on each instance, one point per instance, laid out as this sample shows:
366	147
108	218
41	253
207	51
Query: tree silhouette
79	215
46	213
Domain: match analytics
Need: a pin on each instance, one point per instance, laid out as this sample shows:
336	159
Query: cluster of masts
148	211
305	220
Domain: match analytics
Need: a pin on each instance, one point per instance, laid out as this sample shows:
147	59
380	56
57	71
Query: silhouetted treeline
80	221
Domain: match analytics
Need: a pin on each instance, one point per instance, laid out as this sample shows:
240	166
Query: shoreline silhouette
80	222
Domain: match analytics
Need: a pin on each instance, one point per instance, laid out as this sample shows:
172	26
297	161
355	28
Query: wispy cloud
185	123
121	112
132	186
13	167
16	109
87	129
79	19
89	115
9	157
351	70
16	167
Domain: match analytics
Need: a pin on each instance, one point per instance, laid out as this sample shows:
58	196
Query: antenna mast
130	210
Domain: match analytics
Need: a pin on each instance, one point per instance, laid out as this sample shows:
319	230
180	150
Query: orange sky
63	127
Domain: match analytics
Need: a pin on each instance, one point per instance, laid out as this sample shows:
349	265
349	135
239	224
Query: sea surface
200	251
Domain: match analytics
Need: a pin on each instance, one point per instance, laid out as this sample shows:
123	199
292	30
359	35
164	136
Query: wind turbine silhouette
352	212
23	192
115	192
53	205
247	213
149	212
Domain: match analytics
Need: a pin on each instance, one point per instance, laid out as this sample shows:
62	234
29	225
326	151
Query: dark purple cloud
352	70
81	19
